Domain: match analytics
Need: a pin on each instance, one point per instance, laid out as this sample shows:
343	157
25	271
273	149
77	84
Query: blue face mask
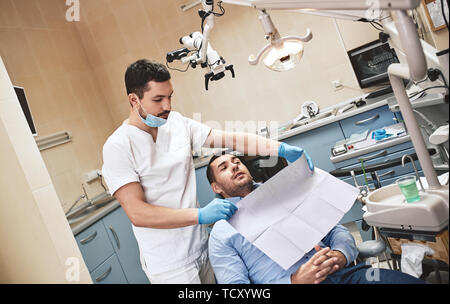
151	120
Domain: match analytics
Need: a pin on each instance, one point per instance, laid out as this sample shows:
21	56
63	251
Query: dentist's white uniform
165	169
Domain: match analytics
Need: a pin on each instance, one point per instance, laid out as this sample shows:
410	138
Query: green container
409	189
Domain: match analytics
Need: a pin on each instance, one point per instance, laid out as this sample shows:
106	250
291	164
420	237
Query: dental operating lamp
282	53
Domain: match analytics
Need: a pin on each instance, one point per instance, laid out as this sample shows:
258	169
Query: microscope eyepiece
177	54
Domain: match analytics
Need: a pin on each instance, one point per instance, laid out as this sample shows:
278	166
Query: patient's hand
316	269
341	260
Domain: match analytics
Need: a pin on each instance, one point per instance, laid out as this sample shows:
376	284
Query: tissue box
440	246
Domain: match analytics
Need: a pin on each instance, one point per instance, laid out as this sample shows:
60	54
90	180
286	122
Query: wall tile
54	13
12	117
8	14
108	38
356	34
45	50
17	53
30	14
135	26
94	10
88	43
69	49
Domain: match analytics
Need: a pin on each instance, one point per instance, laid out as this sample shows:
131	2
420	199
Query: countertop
370	104
389	99
80	223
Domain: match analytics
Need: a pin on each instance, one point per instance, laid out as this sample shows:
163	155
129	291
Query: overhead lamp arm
328	4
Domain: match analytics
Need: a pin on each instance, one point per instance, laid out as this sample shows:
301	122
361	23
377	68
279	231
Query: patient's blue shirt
237	261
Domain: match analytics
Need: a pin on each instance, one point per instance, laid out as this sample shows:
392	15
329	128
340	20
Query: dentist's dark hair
139	73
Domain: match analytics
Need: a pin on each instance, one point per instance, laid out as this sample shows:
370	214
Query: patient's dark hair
209	172
139	73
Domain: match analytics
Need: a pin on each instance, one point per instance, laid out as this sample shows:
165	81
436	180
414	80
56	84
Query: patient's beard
239	190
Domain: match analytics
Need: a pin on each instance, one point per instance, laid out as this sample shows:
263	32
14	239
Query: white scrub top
166	172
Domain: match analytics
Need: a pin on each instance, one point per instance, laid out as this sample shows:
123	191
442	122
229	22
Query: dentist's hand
217	209
292	153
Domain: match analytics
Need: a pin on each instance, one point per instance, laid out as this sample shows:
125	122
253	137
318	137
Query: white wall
35	237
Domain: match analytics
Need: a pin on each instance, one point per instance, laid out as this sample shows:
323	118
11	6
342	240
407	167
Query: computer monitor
371	61
20	92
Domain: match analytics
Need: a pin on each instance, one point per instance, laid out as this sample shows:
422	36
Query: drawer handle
361	122
103	276
382	153
115	236
89	238
392	172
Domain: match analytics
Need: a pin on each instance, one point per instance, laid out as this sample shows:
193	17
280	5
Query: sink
90	206
386	207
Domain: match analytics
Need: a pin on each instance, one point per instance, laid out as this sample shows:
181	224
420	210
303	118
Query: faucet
84	195
76	201
415	169
310	111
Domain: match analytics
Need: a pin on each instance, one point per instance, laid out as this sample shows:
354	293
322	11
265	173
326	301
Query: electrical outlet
337	85
93	175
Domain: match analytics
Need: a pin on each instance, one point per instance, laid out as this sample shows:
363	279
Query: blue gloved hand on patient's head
217	209
292	153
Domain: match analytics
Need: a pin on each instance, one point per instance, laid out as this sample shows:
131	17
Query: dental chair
378	245
261	173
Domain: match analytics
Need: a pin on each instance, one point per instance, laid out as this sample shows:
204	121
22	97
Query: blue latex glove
292	153
217	209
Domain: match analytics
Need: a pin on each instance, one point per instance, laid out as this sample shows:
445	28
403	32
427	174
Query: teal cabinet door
318	144
204	191
109	272
370	120
94	245
120	232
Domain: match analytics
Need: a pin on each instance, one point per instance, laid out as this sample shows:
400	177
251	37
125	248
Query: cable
167	65
443	13
377	23
222	12
443	78
372	23
416	83
435	87
381	30
431	75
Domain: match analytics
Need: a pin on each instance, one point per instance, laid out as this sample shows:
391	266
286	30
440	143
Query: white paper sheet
291	212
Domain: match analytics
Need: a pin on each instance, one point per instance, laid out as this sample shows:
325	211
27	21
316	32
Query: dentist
148	167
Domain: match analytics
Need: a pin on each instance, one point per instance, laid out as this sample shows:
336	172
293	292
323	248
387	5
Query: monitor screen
371	61
20	92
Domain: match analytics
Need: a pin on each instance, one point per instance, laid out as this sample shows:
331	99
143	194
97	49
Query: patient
237	261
